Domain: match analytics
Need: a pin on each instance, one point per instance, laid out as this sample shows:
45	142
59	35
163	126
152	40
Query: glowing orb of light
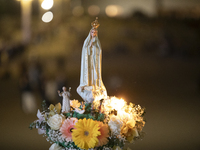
47	17
93	10
47	4
117	104
113	10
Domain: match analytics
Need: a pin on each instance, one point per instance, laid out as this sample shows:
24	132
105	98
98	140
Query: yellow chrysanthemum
55	109
85	133
129	131
75	103
129	125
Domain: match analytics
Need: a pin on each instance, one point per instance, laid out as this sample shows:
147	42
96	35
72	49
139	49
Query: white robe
90	77
65	102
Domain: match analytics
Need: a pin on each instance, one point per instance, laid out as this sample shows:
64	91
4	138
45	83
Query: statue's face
94	33
64	89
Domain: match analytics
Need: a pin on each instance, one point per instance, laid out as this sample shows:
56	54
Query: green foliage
88	108
47	130
88	114
44	105
67	114
100	117
82	116
32	125
68	145
113	141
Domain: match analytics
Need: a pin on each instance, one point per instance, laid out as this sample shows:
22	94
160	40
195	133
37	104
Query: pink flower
67	127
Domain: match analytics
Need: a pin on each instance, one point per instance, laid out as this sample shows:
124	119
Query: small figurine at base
66	101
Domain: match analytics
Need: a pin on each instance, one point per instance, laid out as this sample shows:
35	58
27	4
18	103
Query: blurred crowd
33	80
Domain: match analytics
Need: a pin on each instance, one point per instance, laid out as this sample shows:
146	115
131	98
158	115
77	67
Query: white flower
41	131
106	148
79	110
55	121
55	147
40	116
115	125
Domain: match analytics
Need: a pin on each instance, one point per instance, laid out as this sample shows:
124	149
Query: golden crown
95	24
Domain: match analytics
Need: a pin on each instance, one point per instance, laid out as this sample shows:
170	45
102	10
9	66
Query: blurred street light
47	17
113	10
47	4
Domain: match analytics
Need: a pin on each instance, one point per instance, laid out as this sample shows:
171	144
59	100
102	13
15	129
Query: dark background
151	57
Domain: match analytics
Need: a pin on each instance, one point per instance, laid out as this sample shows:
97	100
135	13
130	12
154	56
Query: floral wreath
102	125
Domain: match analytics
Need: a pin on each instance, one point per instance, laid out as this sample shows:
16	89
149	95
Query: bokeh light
47	4
47	17
113	10
93	10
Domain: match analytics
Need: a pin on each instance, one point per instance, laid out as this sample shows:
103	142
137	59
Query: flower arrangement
102	125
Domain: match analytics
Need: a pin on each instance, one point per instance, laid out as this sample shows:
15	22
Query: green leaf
88	107
32	125
101	117
44	105
67	114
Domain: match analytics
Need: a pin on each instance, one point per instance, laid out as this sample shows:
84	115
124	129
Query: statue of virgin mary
91	85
